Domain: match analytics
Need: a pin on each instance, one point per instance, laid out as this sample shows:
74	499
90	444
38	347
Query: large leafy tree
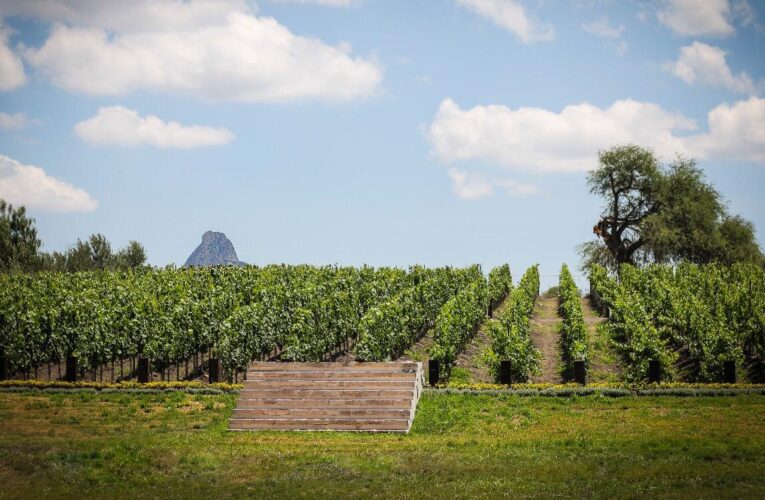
653	213
19	245
630	182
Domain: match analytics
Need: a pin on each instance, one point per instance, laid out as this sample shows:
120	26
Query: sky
385	132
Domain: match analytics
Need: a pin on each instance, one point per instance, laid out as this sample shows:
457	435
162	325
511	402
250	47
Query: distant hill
215	250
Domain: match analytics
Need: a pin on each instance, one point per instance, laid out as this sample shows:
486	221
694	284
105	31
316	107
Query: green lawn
172	445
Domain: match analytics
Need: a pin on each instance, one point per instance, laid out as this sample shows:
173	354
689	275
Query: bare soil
545	333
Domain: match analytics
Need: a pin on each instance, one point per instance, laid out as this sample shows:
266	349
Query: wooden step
323	403
374	413
329	384
325	374
326	393
268	366
319	424
373	397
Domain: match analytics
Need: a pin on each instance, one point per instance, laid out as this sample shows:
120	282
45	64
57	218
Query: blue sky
370	131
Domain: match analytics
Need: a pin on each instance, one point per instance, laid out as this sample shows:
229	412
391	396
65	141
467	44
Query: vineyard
573	333
692	323
290	313
689	321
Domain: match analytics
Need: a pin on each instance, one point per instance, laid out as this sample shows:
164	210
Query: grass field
171	445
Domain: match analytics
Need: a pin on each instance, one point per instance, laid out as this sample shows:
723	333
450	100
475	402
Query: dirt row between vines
545	334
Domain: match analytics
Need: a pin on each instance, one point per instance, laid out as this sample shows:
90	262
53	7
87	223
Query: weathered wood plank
327	374
334	366
373	413
320	424
369	397
329	384
323	403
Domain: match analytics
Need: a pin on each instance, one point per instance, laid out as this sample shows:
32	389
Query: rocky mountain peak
215	250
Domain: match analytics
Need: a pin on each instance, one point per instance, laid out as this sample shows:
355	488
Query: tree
96	254
630	181
100	252
686	225
19	245
20	248
77	258
662	214
738	241
132	256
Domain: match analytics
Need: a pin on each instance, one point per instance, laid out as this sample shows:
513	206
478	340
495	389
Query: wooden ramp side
332	396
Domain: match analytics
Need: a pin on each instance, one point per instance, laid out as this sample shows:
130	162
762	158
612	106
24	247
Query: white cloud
128	17
743	12
470	186
697	17
705	64
476	185
515	188
512	16
325	3
603	29
14	121
736	133
11	68
31	186
540	140
613	34
216	51
120	126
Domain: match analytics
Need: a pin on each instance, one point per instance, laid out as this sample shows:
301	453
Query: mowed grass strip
175	445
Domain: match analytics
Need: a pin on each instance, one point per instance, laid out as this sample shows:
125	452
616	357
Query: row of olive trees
20	248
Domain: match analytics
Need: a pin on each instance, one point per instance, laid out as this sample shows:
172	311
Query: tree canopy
20	248
655	213
19	245
95	253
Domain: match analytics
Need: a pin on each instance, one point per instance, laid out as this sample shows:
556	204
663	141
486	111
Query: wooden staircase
368	397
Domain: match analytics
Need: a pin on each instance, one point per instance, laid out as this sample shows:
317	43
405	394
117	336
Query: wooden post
71	369
729	372
216	370
654	371
144	370
434	371
5	368
505	372
580	372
